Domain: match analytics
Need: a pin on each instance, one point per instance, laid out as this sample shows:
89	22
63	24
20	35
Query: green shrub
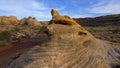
5	35
42	29
16	29
2	43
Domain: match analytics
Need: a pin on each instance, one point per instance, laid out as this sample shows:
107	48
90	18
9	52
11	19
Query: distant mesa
108	20
30	21
11	20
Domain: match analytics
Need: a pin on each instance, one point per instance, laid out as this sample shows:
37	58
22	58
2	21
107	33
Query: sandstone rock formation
69	46
11	20
30	21
57	18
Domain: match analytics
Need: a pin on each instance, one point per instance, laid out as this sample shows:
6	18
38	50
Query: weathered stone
69	46
17	37
58	19
11	20
30	21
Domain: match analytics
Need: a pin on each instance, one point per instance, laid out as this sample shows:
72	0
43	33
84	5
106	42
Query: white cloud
60	8
24	8
75	3
16	5
80	15
106	7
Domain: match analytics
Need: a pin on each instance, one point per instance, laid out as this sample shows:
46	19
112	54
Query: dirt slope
13	51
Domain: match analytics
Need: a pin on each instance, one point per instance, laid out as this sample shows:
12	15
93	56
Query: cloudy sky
74	8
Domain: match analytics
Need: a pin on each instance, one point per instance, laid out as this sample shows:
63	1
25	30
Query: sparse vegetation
109	33
42	29
5	35
16	29
2	43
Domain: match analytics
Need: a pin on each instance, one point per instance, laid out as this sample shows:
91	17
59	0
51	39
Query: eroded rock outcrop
11	20
69	46
58	19
30	21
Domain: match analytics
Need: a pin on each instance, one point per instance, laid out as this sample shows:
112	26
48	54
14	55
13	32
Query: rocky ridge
108	20
69	46
30	21
11	20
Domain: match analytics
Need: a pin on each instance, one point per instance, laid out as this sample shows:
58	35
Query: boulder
69	46
11	20
23	21
30	21
16	37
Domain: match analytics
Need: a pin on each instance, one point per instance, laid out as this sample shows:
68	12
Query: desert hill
108	20
103	27
69	45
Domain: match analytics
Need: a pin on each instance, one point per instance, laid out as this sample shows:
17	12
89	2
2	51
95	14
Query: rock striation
30	21
11	20
69	46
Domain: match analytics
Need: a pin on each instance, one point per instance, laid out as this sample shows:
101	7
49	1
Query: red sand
6	53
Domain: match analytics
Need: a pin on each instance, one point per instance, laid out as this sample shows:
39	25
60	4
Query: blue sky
74	8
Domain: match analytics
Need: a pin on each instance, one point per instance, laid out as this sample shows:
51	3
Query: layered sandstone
69	46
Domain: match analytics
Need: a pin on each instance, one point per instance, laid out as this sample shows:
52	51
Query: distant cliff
113	20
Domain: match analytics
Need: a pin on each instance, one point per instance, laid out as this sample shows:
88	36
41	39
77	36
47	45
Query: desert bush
5	35
16	29
42	29
2	43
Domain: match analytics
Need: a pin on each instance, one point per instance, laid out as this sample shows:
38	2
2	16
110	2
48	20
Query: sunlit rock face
58	19
30	21
69	46
11	20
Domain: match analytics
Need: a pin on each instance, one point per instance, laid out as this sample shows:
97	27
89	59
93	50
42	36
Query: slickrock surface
30	21
69	46
11	20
